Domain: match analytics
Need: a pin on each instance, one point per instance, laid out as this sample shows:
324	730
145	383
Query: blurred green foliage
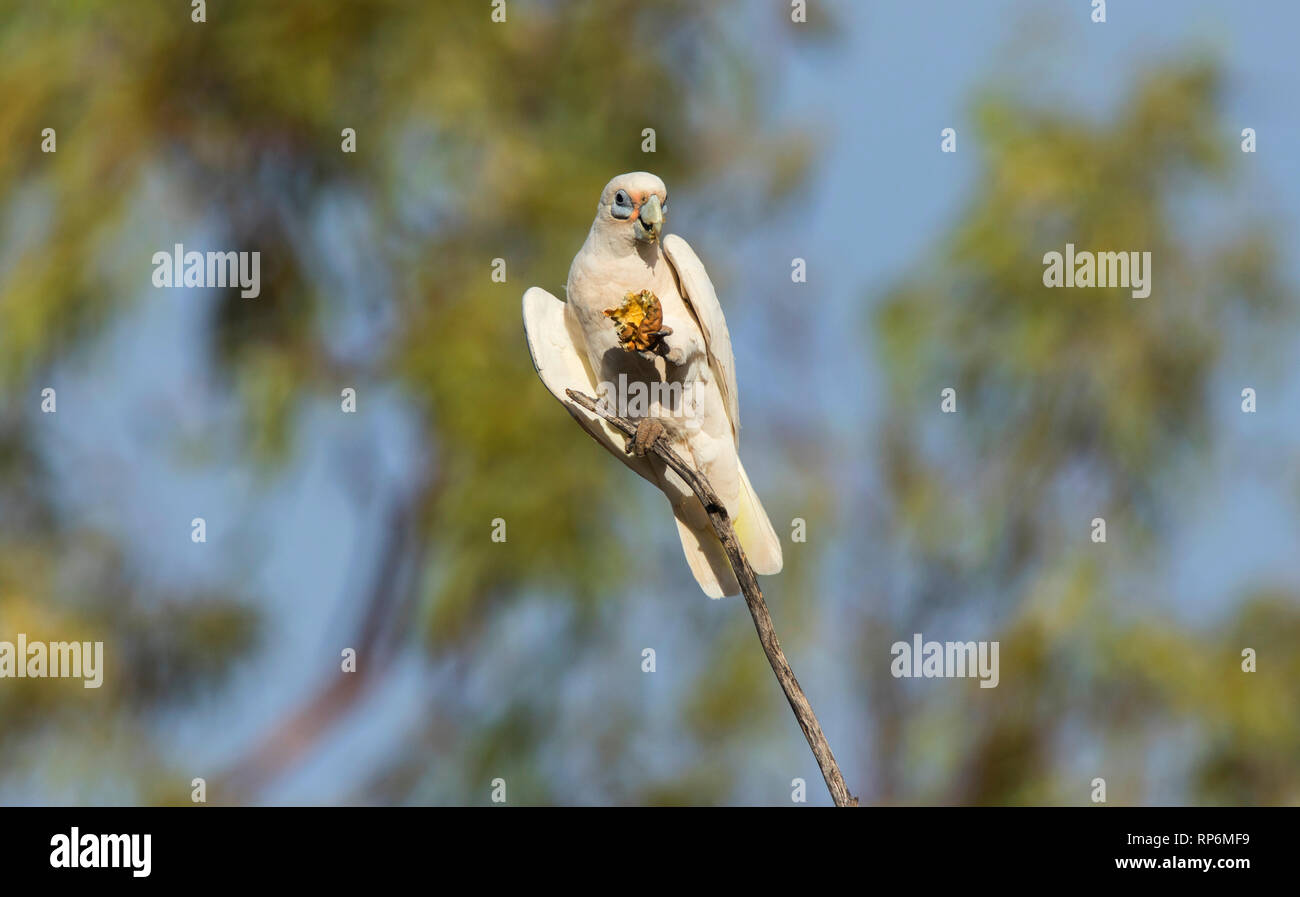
475	141
1076	403
478	142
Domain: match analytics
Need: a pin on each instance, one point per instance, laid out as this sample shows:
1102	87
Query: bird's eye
622	207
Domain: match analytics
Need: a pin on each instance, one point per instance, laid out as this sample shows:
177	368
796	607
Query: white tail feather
754	530
704	553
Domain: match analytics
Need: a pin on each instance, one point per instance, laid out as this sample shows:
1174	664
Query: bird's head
633	208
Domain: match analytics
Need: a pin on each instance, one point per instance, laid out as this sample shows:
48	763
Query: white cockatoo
684	392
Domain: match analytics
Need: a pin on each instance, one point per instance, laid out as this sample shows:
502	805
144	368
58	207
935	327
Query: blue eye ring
622	205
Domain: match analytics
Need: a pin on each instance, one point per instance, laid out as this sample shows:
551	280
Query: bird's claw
660	348
648	431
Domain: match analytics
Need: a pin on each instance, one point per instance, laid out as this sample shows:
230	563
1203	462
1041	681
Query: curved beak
651	220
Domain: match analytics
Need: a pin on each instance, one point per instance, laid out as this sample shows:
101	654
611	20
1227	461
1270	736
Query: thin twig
803	711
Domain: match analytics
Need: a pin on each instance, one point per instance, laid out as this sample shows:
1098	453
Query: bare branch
721	522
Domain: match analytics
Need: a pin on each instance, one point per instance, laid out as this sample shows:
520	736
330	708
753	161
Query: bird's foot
659	347
648	431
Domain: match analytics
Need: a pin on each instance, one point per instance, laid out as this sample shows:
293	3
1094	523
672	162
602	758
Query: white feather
562	365
702	299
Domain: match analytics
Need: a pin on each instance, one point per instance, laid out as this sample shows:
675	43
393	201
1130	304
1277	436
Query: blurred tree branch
388	601
749	587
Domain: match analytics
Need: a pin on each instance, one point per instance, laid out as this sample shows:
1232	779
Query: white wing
561	362
702	299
